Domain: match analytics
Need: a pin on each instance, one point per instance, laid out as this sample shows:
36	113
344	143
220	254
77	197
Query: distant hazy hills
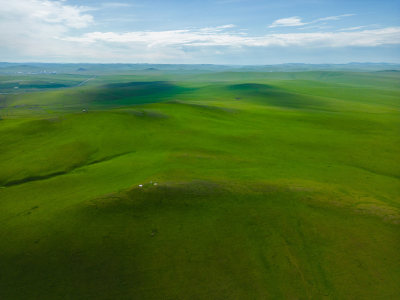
43	68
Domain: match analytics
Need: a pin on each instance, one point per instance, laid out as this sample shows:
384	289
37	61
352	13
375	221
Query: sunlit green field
225	185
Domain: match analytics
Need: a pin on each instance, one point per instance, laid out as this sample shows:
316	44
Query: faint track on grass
86	80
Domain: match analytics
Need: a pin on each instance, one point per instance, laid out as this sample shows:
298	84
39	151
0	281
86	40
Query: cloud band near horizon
40	28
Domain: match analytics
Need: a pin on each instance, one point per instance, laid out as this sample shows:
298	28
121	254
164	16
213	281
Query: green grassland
255	185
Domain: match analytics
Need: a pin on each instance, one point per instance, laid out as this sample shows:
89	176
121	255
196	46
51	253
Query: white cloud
45	12
354	28
287	22
201	38
216	28
55	31
32	26
297	21
333	18
115	4
365	38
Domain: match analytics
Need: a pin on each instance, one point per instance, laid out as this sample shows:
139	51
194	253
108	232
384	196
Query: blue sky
208	31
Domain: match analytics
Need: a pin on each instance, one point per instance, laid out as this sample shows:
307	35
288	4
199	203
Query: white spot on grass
140	185
155	183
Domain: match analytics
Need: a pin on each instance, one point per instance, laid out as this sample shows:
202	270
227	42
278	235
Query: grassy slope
268	187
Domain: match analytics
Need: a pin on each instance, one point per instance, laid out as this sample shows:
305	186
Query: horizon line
193	64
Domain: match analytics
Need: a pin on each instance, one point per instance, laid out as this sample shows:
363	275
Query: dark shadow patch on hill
164	196
145	113
186	195
274	96
128	93
196	195
205	107
32	85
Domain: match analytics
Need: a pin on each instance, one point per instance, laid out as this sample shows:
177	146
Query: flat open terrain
255	185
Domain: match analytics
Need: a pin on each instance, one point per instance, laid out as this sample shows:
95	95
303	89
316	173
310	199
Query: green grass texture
223	185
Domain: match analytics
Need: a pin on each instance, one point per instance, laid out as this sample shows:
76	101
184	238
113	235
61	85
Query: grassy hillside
202	186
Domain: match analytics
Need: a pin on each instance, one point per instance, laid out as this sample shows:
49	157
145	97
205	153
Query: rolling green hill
225	185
